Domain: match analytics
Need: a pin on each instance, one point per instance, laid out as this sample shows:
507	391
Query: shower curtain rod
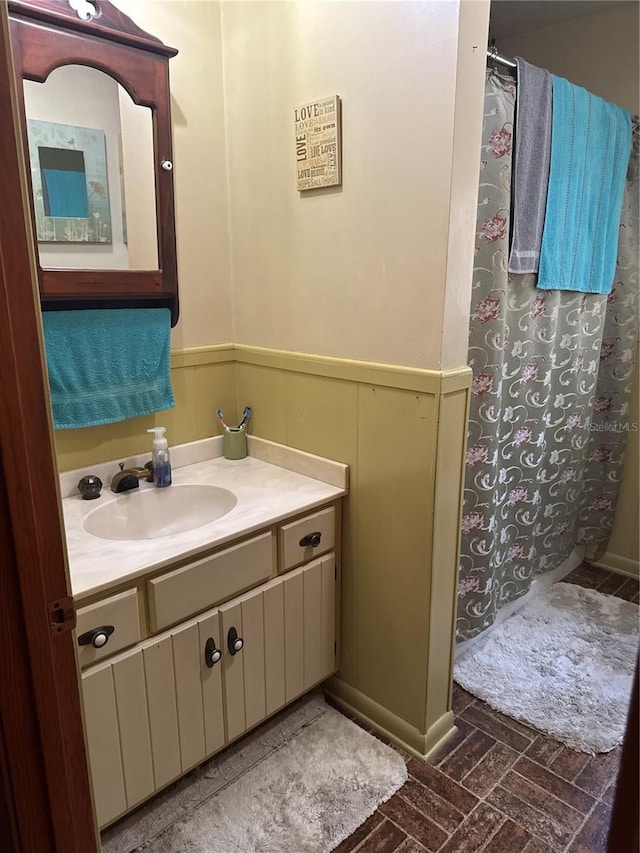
494	56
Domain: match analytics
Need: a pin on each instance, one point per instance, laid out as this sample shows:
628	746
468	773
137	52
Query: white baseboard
617	564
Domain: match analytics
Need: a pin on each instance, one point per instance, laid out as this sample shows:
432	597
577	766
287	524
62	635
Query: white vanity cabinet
183	691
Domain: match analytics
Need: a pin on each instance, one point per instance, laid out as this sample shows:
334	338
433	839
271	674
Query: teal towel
590	147
107	365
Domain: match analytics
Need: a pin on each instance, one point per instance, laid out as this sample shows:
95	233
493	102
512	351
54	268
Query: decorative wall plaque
317	127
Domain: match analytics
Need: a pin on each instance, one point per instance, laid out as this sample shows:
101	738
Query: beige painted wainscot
158	698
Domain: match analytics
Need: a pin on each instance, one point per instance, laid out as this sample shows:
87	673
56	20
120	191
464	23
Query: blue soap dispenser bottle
160	457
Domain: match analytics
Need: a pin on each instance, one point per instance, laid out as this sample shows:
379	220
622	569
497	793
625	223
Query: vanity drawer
119	612
193	588
292	552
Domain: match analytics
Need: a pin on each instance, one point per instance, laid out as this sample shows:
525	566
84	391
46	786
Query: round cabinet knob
211	654
312	539
167	165
234	642
96	637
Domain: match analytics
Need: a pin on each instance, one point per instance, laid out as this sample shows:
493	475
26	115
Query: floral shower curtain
552	375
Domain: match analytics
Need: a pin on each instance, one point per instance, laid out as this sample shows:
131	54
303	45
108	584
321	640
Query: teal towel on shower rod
107	365
590	147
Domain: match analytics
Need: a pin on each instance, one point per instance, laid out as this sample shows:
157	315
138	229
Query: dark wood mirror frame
47	34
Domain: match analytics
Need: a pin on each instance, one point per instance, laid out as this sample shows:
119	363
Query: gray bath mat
300	786
563	664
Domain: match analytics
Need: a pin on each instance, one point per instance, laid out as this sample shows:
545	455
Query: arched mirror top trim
46	55
109	22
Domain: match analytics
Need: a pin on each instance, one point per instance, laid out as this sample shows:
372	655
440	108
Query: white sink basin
152	512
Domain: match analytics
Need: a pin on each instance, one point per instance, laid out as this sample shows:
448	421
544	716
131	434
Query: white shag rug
300	785
564	664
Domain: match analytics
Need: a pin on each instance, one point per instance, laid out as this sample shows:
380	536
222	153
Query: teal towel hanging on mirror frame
107	365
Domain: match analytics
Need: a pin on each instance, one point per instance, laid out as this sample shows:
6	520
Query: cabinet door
309	625
158	710
293	588
274	658
244	671
255	706
312	608
118	737
319	609
151	714
103	742
133	720
163	713
198	689
329	606
188	670
287	628
211	677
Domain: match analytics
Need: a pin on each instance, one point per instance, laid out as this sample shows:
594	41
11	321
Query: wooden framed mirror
95	105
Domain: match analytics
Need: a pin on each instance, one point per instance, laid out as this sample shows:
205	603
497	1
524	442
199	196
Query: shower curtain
552	375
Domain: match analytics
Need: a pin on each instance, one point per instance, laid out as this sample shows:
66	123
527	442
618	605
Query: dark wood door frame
624	835
45	798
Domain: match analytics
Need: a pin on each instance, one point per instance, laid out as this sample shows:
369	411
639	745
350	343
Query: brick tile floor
499	786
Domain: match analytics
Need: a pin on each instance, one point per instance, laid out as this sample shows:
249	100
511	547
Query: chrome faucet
129	478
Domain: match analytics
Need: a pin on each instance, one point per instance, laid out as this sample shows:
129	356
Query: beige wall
600	53
358	271
363	271
197	112
465	176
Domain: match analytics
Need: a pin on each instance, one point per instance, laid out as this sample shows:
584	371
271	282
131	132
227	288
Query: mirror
98	134
91	161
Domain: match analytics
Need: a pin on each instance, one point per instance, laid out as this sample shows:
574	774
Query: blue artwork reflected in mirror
70	186
64	183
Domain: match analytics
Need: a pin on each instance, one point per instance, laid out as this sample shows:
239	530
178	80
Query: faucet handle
89	487
121	466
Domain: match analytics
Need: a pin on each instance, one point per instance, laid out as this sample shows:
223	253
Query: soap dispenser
160	457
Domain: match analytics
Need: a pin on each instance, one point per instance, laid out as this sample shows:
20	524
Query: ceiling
512	17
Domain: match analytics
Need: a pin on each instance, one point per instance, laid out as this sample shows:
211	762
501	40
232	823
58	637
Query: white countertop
266	493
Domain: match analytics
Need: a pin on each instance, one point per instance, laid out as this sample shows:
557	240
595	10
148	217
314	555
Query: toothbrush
245	417
221	419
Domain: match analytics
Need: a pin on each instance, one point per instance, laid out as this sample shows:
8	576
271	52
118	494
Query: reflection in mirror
92	170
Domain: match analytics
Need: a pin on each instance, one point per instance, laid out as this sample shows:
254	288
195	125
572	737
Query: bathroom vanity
190	639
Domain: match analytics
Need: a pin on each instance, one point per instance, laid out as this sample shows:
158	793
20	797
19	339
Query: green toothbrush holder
234	444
